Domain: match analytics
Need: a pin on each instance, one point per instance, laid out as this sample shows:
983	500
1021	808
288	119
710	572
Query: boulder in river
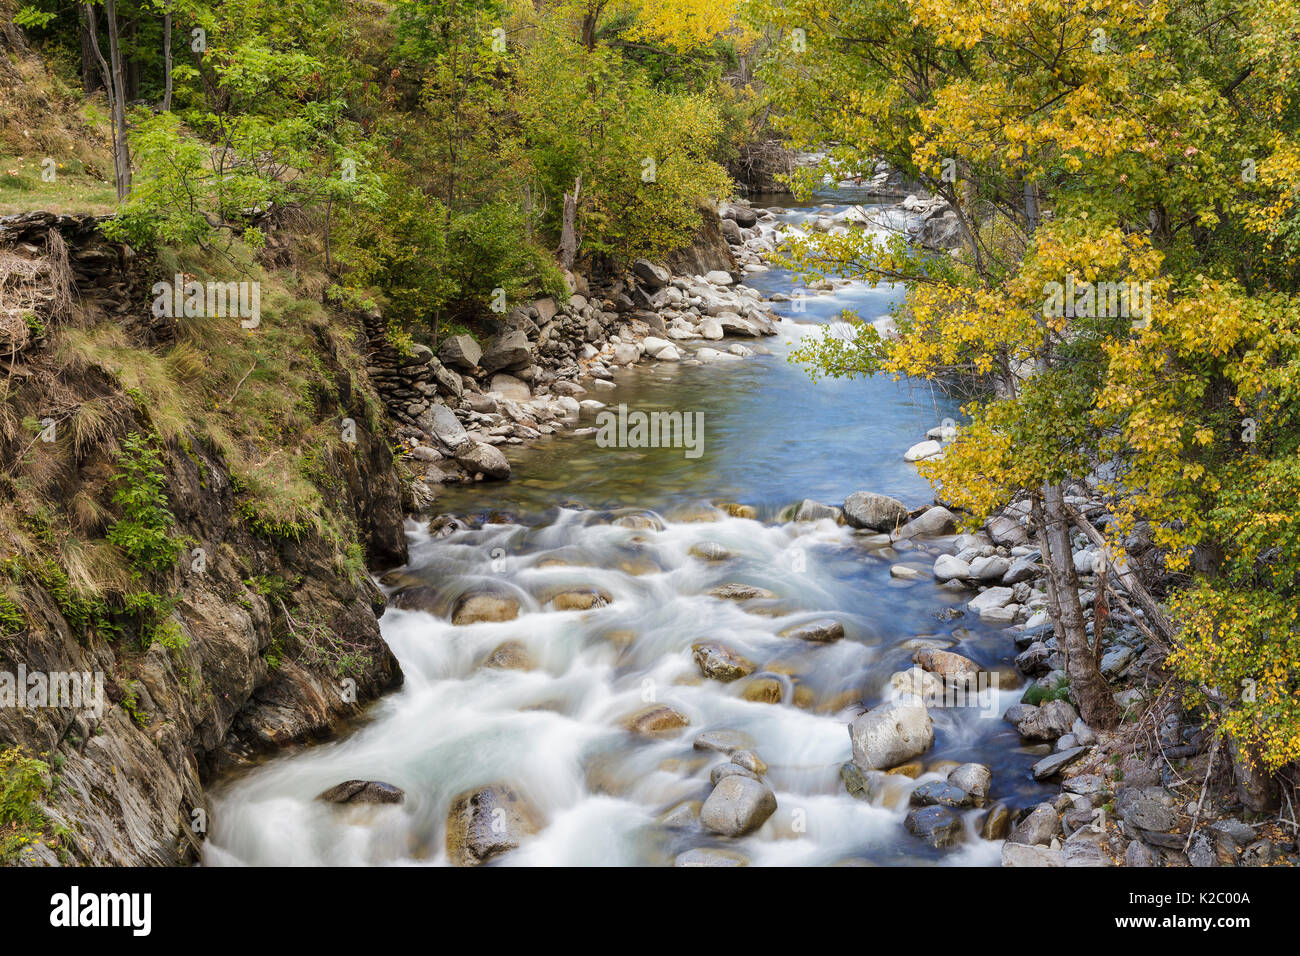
949	567
937	826
821	631
363	791
809	510
891	734
723	741
719	662
580	599
655	721
480	457
975	779
737	805
1048	722
739	592
487	822
865	509
477	606
953	668
929	523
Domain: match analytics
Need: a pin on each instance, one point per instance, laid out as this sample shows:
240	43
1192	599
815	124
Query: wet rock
938	793
684	815
363	791
511	655
710	551
809	510
822	631
906	572
891	734
937	826
996	823
711	856
479	606
580	599
953	668
864	509
975	779
723	741
480	457
726	770
740	592
763	690
737	805
915	682
719	662
1038	827
421	597
487	822
750	761
656	720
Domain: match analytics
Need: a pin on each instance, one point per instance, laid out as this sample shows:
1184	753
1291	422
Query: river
624	520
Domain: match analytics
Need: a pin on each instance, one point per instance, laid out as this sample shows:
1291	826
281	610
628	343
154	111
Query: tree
1077	143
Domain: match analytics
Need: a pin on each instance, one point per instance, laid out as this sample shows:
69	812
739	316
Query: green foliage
24	783
143	531
1038	695
12	620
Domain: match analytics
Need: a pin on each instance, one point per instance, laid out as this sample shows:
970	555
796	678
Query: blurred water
555	733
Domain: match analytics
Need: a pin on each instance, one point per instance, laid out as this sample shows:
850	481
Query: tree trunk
115	87
1256	790
131	64
1088	686
568	232
167	61
89	77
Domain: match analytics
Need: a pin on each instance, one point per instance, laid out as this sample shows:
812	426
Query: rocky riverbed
601	670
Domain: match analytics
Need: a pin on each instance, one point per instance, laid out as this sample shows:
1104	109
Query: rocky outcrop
262	640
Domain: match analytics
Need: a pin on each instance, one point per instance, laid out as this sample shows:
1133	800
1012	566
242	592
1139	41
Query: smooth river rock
737	805
487	822
891	734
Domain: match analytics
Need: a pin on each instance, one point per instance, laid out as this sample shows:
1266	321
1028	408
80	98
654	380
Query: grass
75	188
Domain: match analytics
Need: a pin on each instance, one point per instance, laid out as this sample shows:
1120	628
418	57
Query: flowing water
624	520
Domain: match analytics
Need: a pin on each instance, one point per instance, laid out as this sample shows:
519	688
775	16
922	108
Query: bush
142	531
